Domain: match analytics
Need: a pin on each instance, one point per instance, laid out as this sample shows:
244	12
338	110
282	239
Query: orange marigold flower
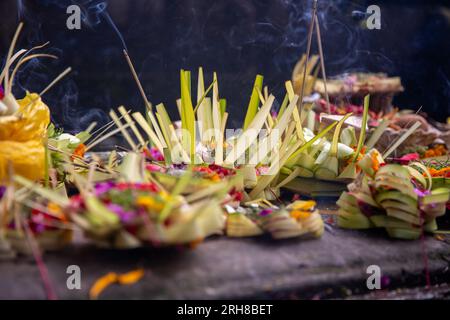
439	173
300	214
55	210
375	162
113	278
79	151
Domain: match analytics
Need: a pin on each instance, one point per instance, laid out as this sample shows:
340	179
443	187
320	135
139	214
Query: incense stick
402	138
10	53
9	62
136	79
406	126
57	79
322	61
98	133
34	246
22	61
147	103
107	136
308	49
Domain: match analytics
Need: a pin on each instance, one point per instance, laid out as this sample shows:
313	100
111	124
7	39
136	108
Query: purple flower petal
156	155
123	215
265	212
103	187
421	193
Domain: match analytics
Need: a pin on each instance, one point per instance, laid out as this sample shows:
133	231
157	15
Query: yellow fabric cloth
22	138
30	122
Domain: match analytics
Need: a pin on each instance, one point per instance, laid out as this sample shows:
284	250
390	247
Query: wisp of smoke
92	12
34	74
93	17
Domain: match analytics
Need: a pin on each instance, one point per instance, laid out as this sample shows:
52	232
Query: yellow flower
300	215
55	210
164	195
145	201
215	177
149	203
302	210
304	205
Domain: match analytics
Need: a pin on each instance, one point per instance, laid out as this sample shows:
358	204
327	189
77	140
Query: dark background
236	38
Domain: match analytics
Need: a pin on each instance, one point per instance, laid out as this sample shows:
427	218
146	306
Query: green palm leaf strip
362	135
254	101
284	104
181	185
310	142
267	179
223	106
200	101
187	114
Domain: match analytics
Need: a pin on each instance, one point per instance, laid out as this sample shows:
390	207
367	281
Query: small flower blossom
265	212
103	187
153	154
